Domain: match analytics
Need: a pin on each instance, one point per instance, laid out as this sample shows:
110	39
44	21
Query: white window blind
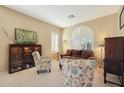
54	42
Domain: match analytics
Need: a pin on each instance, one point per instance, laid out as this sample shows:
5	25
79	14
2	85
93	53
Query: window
82	38
54	42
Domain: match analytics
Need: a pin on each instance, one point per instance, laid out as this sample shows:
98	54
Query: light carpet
30	78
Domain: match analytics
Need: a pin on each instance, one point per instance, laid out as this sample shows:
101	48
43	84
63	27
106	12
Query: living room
103	23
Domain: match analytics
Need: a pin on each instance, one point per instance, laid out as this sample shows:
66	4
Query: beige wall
10	20
101	28
120	32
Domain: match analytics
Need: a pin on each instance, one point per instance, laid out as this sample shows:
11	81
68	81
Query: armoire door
114	55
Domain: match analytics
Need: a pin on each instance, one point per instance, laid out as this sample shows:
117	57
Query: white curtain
54	41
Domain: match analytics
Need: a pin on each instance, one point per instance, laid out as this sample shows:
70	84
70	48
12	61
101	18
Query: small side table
58	56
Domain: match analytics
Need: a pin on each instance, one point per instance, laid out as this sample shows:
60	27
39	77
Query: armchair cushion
76	53
69	52
85	54
91	54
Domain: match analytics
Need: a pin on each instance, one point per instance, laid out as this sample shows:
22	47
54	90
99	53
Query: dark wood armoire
114	59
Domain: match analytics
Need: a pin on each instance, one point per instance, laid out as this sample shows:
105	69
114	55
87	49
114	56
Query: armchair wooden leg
60	66
49	70
105	77
38	72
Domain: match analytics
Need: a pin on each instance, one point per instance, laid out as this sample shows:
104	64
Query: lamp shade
65	41
101	44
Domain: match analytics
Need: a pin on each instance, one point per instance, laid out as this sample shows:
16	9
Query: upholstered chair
41	63
78	72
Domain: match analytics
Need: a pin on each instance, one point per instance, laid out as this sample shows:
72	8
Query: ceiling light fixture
71	16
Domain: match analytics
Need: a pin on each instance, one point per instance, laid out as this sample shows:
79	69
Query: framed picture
121	18
25	36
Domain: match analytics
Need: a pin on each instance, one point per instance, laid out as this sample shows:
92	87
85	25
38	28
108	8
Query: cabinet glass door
16	59
27	57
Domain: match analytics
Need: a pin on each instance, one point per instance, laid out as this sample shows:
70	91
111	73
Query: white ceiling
58	14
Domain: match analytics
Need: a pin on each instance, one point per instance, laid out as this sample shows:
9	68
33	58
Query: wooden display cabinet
20	56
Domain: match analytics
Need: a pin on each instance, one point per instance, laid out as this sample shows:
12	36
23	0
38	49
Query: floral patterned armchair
41	63
78	72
